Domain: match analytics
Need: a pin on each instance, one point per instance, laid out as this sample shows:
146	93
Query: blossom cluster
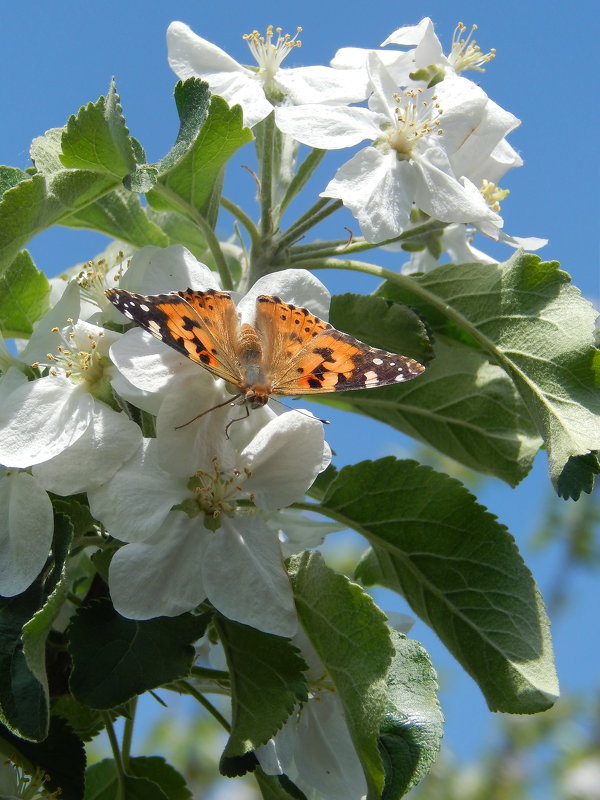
437	142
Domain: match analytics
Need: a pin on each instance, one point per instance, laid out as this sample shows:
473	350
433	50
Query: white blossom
260	89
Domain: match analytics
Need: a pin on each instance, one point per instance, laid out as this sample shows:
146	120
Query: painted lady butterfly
288	351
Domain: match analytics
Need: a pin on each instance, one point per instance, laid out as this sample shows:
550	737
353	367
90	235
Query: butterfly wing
203	326
305	355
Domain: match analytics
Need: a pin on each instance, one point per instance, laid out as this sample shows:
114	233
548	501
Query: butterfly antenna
208	410
300	411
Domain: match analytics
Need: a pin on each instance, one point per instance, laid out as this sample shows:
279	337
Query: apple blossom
259	90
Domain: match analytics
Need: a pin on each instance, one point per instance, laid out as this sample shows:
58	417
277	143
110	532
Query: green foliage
521	314
102	783
352	640
459	569
267	682
24	292
115	658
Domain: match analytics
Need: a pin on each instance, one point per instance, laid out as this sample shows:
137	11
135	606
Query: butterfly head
257	396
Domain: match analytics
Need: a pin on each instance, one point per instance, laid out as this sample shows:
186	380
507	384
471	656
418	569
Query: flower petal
297	286
148	363
160	577
26	527
284	458
109	441
42	418
319	84
191	55
154	270
245	579
136	501
328	127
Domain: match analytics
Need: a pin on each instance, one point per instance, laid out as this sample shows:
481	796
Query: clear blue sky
58	56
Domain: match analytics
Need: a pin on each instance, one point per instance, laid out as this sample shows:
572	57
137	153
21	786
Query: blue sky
59	56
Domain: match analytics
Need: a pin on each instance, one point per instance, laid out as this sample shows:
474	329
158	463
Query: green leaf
115	658
188	175
97	138
36	630
383	324
10	176
459	569
61	756
267	682
44	200
119	214
578	476
24	296
101	783
277	787
23	699
192	98
464	406
412	731
45	151
157	770
86	722
180	230
535	326
352	640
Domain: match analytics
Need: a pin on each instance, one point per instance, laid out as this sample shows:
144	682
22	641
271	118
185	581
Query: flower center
71	360
218	492
493	195
465	53
268	53
415	118
93	283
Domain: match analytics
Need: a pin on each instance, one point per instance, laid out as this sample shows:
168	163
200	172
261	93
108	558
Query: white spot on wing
371	376
154	327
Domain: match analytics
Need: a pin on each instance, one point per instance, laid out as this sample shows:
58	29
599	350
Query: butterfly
288	351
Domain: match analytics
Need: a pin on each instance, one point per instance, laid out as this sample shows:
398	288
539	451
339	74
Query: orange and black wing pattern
203	326
305	355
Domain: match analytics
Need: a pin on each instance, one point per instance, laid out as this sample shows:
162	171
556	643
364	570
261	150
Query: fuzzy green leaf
24	296
115	658
530	321
352	640
459	569
267	681
412	730
97	139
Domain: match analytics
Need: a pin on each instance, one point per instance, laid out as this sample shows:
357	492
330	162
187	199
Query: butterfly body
288	351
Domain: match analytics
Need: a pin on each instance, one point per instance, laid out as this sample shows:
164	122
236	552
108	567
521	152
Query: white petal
191	55
42	418
411	34
184	450
245	579
298	532
9	381
525	242
43	340
318	84
444	198
328	127
148	363
296	286
379	191
136	501
109	441
161	577
154	270
26	527
502	158
284	458
325	756
146	401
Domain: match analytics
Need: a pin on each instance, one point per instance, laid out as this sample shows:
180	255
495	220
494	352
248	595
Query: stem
266	176
211	239
189	689
128	732
319	211
212	674
244	219
114	745
305	170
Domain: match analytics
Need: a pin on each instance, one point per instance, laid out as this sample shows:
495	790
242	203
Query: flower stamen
269	54
415	117
465	53
493	195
